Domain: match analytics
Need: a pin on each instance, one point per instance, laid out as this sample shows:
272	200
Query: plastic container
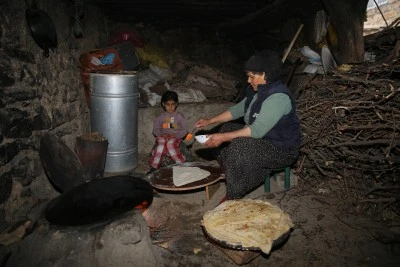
201	138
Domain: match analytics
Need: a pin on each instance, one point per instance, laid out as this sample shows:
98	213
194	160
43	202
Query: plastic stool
267	184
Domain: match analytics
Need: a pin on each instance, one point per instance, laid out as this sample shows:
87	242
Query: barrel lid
112	72
60	163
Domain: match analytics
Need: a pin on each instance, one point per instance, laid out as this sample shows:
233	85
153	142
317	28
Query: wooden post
292	43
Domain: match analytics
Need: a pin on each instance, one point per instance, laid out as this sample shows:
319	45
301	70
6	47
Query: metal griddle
99	200
86	203
162	178
277	242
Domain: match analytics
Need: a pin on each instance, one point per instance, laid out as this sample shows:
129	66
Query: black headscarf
267	61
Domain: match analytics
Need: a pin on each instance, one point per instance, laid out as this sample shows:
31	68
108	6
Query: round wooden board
162	178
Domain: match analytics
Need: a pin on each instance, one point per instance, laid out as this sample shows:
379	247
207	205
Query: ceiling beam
269	17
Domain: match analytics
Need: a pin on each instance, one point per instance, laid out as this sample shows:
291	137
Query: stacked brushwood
350	123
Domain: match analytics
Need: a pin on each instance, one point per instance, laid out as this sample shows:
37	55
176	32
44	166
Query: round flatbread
186	175
247	223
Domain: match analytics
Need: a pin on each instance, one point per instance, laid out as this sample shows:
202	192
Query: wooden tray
162	178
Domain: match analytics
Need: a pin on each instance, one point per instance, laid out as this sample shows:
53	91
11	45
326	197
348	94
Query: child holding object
169	130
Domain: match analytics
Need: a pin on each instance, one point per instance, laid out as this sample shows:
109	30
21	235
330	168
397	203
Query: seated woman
270	137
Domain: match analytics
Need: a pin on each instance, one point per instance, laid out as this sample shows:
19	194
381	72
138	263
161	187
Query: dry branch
351	132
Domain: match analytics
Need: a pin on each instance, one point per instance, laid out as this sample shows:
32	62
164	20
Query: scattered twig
378	200
381	187
385	207
344	222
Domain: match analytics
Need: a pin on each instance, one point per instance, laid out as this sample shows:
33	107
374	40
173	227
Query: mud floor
321	236
324	233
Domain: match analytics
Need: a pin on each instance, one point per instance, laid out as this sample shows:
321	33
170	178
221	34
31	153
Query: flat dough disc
187	175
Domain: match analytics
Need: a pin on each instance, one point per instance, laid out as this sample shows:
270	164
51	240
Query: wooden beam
269	17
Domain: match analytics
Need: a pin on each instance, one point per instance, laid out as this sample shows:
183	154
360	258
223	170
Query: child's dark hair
169	95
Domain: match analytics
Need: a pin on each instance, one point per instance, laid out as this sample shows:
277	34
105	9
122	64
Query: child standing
169	129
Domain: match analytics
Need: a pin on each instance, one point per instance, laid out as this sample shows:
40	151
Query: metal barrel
114	114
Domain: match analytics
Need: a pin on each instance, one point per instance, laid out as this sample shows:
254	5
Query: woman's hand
218	138
200	124
215	140
222	117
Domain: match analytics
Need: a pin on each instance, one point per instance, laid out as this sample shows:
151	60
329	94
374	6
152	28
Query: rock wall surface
39	94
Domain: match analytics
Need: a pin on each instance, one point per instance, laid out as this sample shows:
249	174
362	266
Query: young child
169	129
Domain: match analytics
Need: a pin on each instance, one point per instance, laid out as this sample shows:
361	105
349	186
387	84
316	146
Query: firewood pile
350	123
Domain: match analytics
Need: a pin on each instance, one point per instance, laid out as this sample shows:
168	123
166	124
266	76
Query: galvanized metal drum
114	114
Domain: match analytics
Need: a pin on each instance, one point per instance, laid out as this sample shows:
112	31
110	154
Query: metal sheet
60	163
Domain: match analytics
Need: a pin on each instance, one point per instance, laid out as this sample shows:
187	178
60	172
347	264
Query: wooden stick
378	200
291	43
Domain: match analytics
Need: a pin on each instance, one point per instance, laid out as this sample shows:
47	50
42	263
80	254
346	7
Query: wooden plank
240	257
211	189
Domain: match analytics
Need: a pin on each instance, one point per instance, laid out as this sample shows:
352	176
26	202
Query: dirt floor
324	233
327	232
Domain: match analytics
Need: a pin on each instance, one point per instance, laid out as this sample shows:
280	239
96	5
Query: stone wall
39	94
